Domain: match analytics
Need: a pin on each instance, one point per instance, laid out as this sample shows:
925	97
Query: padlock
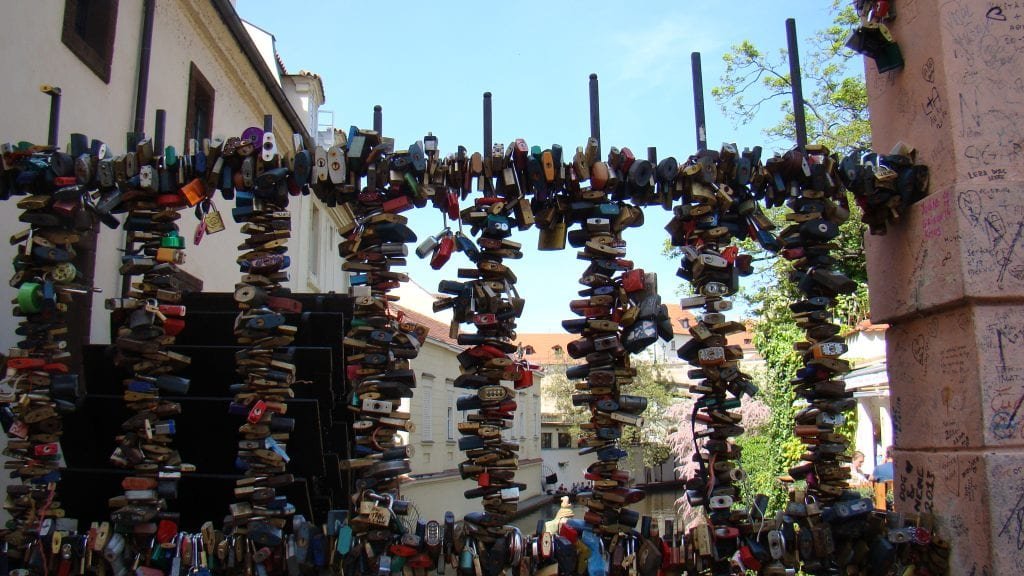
443	251
213	220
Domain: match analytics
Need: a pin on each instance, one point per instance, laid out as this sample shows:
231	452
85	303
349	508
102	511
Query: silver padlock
269	146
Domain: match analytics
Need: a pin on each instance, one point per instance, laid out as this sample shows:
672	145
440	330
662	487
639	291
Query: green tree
837	115
651	382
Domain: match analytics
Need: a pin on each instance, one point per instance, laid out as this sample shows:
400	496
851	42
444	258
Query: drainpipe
141	92
142	84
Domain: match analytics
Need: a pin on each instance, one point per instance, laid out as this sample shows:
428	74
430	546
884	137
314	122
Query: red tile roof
438	329
546	347
680	318
867	326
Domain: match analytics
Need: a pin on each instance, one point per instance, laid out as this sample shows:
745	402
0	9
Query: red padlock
452	199
397	204
256	412
173	326
49	449
443	251
633	281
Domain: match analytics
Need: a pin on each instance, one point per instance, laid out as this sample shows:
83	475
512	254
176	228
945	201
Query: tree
836	110
651	382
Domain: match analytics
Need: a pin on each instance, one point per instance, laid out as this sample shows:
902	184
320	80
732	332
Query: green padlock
30	297
172	240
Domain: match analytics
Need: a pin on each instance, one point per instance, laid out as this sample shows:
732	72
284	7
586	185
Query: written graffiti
917	486
1013	526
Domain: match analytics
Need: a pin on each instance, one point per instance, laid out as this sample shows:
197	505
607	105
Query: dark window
545	440
564	440
199	118
88	30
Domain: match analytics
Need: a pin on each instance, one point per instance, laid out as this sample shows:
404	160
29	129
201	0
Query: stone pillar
865	436
950	277
885	427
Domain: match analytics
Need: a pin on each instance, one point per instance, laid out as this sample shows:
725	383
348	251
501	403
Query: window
545	440
747	341
564	440
199	116
426	419
451	412
88	31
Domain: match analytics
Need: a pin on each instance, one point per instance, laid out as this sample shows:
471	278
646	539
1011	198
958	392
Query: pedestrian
857	476
884	472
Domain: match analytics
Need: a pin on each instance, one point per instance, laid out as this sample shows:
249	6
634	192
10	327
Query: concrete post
865	436
950	277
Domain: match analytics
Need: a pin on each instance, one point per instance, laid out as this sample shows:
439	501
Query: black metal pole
698	102
142	83
268	122
158	131
54	93
798	89
378	119
488	134
595	113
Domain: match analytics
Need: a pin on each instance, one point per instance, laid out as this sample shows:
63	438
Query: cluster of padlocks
714	197
885	185
375	183
39	384
147	185
620	314
717	206
251	168
486	298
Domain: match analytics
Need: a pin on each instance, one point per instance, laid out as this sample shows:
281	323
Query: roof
314	76
743	339
546	347
230	18
866	326
438	329
681	319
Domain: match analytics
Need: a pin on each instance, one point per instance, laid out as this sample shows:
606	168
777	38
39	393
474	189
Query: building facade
210	72
437	486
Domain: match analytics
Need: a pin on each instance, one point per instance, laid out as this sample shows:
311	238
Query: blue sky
428	65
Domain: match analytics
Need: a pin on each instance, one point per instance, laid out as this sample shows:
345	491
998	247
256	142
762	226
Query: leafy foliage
836	109
836	106
651	382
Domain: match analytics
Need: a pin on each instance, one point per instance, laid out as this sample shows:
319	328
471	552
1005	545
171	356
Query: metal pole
378	119
142	83
488	142
798	89
54	93
595	113
158	131
698	102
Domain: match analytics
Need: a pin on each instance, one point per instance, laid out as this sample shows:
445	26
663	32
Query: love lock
381	516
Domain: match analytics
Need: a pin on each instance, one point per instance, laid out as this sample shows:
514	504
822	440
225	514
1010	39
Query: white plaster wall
433	497
185	31
866	345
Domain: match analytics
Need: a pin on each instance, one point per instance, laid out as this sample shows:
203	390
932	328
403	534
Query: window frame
99	58
568	443
198	87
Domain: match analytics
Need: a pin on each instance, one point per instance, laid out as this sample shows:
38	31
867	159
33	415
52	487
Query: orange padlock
194	192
